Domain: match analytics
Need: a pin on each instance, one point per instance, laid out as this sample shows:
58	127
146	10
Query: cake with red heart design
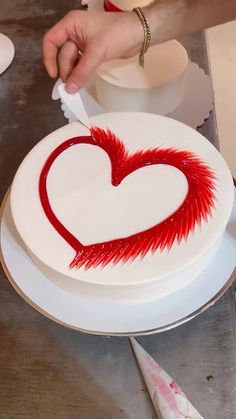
131	210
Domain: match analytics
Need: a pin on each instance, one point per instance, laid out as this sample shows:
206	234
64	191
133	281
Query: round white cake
128	211
159	87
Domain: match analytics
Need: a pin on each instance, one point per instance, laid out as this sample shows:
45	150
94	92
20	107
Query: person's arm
173	18
104	36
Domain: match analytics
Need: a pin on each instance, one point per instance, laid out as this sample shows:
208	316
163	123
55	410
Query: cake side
163	64
159	87
128	293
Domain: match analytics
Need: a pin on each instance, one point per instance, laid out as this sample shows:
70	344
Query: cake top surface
163	63
119	184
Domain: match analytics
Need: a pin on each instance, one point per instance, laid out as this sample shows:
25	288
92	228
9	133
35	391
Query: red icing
163	390
196	207
177	390
110	7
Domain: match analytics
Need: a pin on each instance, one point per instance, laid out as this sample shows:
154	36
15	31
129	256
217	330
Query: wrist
146	33
165	18
133	27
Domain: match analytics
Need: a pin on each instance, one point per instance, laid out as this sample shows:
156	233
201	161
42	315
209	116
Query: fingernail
72	88
63	78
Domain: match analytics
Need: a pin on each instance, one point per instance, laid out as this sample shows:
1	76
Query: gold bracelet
147	34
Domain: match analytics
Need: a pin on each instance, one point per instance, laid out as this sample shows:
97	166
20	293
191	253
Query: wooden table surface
46	370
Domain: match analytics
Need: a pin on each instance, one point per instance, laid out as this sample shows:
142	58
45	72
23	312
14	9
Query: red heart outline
196	207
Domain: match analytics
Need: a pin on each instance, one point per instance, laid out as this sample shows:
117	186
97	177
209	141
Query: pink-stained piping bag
168	399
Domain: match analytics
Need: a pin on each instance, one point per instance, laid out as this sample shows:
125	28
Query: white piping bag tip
75	104
55	91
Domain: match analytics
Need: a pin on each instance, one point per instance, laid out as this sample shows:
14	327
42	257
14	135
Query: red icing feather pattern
196	207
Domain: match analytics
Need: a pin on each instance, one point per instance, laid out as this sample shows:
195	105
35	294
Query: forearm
107	36
173	18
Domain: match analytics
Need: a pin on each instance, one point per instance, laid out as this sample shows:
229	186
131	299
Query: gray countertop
46	370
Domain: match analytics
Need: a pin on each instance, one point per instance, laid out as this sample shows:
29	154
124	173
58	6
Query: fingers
67	59
81	73
53	40
110	36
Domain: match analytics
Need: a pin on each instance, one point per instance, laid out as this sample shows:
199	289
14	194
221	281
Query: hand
82	40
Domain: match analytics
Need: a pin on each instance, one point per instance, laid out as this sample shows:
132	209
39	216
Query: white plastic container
123	85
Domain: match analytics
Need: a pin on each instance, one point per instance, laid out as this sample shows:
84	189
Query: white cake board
199	98
193	110
7	52
116	319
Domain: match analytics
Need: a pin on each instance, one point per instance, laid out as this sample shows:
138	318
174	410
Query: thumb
89	61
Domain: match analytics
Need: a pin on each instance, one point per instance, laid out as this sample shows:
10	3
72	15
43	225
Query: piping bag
168	399
73	104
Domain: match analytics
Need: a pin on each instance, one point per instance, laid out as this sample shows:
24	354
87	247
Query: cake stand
115	319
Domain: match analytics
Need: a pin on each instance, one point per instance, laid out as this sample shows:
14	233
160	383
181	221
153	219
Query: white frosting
110	212
159	87
127	293
82	173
